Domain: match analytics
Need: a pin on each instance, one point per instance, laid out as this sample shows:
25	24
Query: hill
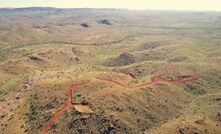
109	71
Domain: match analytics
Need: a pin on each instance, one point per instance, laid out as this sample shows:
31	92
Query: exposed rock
95	124
104	21
201	121
35	58
11	117
17	97
195	89
122	60
53	104
2	116
85	25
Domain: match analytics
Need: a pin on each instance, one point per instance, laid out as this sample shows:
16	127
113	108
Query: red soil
69	104
154	80
67	107
159	79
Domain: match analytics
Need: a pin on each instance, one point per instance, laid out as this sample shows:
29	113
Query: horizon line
156	9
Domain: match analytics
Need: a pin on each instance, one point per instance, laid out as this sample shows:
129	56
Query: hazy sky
130	4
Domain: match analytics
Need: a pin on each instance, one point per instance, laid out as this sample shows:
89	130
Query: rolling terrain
109	71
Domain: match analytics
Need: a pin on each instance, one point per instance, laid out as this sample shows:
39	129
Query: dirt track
154	80
70	104
159	79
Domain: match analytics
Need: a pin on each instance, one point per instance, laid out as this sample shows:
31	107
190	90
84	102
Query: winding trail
67	107
154	80
159	79
70	104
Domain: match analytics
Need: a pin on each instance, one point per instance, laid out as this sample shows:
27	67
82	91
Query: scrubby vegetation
119	71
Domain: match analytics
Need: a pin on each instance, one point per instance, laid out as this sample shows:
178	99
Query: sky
129	4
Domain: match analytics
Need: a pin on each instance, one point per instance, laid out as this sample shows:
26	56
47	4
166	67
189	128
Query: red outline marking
69	104
67	107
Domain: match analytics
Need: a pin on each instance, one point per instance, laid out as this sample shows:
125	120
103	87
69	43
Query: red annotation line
159	79
69	103
154	80
67	107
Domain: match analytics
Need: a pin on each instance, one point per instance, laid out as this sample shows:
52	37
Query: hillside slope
68	71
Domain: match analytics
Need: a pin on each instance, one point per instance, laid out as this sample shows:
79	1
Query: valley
109	71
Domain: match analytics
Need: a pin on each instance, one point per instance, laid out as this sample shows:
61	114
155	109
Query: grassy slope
63	52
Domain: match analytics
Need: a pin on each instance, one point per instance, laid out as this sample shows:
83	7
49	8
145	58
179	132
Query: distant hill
109	71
